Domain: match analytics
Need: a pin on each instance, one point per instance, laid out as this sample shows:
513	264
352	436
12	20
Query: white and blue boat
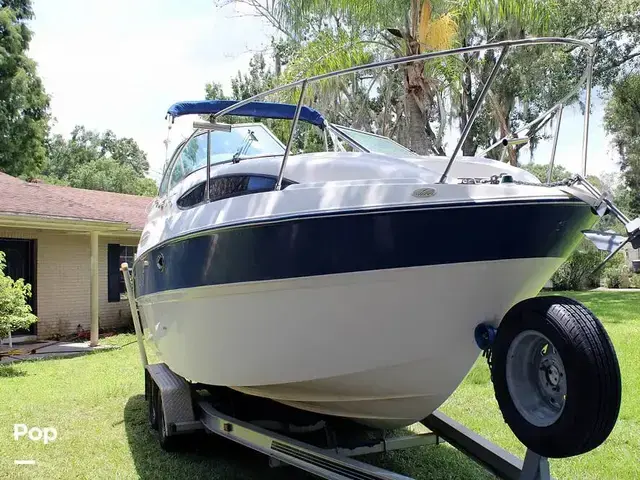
345	282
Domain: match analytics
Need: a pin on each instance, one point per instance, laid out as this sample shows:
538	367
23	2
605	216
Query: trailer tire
168	443
150	394
556	376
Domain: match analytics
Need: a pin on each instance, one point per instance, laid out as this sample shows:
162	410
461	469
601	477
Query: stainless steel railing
503	46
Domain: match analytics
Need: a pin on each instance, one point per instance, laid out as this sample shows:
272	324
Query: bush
15	312
575	273
634	281
617	276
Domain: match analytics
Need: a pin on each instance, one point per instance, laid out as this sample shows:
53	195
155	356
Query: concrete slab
44	350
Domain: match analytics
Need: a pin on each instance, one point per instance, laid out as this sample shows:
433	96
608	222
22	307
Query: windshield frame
171	164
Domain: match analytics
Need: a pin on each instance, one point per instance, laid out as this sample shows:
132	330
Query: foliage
98	161
332	34
23	102
327	52
15	312
575	273
259	78
541	170
605	183
634	281
108	175
531	80
509	104
611	26
617	276
622	122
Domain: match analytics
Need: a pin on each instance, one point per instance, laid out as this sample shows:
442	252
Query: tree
411	27
622	122
532	79
96	161
15	312
541	171
488	21
406	27
108	175
610	26
259	78
23	102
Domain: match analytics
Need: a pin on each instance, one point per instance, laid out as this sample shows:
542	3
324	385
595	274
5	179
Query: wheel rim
536	378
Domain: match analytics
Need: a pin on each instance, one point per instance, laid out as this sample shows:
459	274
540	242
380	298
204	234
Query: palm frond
329	51
440	34
295	14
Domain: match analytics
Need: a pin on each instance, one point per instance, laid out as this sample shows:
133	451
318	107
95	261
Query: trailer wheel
167	442
556	376
150	394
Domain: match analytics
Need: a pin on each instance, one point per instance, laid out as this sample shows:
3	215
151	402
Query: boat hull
366	315
382	347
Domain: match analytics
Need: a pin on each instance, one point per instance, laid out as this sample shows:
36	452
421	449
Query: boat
347	282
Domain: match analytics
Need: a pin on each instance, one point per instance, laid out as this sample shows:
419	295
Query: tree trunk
466	104
416	121
417	107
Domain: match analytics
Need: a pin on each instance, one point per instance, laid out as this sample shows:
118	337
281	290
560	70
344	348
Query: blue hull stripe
370	240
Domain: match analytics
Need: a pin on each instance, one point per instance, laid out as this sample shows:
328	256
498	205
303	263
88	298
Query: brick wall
63	273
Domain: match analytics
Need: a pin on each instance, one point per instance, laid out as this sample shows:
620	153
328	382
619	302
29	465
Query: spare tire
556	376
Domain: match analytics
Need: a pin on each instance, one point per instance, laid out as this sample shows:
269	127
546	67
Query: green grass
95	402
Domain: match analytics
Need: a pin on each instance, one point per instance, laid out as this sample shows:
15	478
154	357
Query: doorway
20	256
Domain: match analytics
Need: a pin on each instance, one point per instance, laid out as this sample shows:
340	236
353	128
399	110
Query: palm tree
335	34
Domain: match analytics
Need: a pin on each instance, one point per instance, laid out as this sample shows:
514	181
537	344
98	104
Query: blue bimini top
252	109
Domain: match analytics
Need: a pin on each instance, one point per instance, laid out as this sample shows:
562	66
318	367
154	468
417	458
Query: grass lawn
96	404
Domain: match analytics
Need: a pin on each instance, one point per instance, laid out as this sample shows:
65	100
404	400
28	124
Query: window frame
123	287
170	166
116	289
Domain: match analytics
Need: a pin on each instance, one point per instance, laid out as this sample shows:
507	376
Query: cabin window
242	141
230	186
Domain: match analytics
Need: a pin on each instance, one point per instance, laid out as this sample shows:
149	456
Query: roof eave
18	220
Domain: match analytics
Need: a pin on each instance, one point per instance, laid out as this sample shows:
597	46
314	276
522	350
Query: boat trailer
177	408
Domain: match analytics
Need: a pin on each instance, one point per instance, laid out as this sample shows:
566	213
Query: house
68	243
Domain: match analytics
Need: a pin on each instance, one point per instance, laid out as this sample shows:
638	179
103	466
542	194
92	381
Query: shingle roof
54	201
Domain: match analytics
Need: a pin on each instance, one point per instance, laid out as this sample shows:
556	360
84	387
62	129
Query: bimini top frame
504	48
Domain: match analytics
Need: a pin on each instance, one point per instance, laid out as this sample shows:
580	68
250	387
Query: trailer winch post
134	313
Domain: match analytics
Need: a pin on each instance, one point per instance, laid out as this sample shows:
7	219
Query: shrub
15	312
575	273
634	280
617	276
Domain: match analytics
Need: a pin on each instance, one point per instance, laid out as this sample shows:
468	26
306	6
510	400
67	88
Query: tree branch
617	64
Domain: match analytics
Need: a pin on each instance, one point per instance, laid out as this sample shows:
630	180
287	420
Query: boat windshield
241	142
375	143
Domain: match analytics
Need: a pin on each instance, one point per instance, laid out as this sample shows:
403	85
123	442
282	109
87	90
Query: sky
120	64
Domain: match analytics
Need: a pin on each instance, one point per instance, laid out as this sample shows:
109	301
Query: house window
116	256
127	254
